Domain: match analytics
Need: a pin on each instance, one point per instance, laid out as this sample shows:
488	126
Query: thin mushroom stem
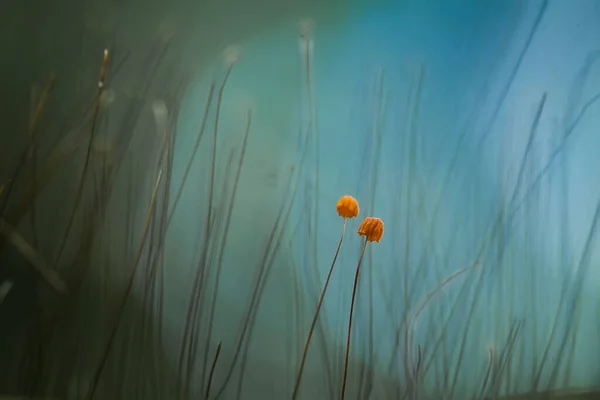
362	253
316	316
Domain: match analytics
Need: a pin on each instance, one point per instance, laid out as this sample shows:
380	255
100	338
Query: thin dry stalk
34	121
188	167
488	372
271	252
33	154
313	127
494	230
194	307
273	242
232	201
82	180
125	297
28	252
345	376
267	261
430	296
316	316
212	370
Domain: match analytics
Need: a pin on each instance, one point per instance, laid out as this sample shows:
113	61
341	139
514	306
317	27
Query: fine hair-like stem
212	369
362	253
316	316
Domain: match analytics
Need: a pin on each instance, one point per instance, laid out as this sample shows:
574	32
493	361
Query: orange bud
347	207
372	228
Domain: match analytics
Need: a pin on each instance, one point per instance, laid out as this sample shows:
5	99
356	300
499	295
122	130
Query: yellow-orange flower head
347	207
372	228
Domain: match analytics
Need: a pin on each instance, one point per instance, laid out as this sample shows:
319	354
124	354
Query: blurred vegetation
94	162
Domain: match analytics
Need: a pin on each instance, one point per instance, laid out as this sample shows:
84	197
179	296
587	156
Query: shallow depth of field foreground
180	183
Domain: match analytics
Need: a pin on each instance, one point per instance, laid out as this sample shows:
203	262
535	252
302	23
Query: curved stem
487	373
212	369
316	316
362	253
411	328
86	163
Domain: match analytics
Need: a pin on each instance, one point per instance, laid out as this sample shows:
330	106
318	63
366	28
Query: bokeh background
188	202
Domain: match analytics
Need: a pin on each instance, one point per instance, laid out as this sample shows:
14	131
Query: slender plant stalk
431	295
493	232
79	193
513	74
292	188
212	369
229	214
188	167
273	242
194	309
131	280
10	233
505	358
462	139
488	372
33	154
377	134
98	373
316	316
36	117
271	253
416	369
362	253
412	139
583	267
313	126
